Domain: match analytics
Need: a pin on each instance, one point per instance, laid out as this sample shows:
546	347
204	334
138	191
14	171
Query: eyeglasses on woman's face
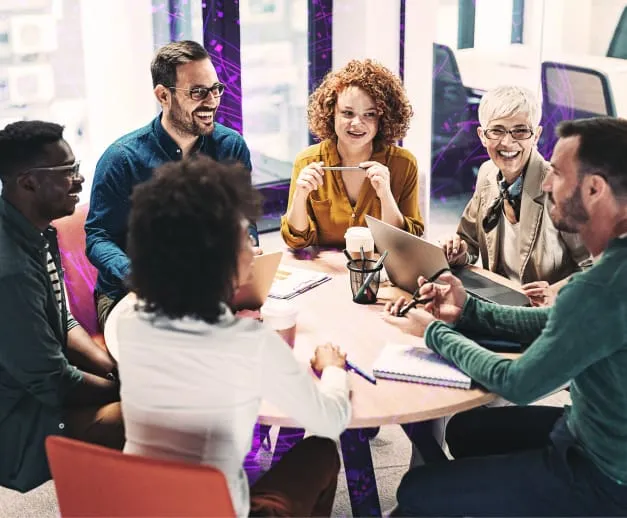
516	133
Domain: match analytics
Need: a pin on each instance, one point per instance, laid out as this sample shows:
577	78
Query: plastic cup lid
359	232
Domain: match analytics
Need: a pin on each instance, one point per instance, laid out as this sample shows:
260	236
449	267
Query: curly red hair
385	88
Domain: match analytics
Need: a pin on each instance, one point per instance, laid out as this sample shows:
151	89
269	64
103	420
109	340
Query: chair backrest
450	98
80	274
95	481
571	92
618	45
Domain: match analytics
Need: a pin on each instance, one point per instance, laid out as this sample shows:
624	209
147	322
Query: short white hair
506	101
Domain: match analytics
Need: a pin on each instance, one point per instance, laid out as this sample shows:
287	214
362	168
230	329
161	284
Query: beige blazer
546	254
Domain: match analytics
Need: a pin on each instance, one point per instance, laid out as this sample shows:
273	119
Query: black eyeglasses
198	93
516	133
71	171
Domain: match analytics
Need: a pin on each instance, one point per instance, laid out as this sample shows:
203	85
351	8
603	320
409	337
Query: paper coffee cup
357	237
280	315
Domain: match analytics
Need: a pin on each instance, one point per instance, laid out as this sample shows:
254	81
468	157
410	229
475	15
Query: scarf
512	193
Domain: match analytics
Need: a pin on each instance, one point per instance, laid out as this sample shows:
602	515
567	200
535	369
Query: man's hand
456	251
541	293
327	355
414	322
448	298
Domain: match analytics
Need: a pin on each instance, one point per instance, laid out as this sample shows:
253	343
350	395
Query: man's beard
177	119
573	213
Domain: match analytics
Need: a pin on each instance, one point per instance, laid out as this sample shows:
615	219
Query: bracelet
112	377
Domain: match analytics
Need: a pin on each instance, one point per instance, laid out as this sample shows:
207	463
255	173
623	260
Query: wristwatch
112	376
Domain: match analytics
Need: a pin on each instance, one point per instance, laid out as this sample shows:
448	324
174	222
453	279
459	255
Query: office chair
92	480
80	274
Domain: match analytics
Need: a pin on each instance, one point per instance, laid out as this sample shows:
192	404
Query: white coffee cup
281	315
357	237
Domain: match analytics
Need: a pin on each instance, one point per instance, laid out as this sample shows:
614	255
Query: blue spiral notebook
418	365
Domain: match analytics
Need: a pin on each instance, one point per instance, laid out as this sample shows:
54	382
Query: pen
362	254
412	304
343	168
348	256
415	301
352	367
375	269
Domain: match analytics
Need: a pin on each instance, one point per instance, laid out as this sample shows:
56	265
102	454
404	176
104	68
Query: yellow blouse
329	209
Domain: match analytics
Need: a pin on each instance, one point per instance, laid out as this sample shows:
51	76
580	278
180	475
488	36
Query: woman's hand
379	176
310	177
327	355
456	251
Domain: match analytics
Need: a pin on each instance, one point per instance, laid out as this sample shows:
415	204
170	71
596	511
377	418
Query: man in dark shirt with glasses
54	379
186	86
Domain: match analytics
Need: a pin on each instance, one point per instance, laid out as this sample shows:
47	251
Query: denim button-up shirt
127	162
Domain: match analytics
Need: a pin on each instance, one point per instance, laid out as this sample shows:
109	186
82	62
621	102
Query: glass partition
274	84
567	51
570	51
68	61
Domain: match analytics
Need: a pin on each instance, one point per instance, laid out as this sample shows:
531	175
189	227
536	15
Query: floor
391	450
391	453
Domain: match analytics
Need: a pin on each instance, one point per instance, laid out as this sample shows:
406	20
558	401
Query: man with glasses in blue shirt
54	379
187	87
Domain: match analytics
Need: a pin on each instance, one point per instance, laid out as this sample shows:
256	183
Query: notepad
419	365
290	281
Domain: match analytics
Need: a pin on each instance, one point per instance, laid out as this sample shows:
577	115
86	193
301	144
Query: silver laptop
411	256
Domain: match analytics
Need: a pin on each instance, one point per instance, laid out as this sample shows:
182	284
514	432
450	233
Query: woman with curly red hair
358	113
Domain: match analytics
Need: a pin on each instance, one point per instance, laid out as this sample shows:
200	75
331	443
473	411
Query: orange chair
94	481
80	274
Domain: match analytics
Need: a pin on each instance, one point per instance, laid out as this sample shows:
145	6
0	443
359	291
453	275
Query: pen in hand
352	367
412	304
342	168
415	300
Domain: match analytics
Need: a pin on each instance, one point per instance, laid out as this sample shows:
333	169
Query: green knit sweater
582	339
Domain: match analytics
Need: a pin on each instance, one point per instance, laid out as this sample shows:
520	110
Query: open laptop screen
411	256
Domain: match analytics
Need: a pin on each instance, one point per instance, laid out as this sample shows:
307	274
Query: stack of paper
289	281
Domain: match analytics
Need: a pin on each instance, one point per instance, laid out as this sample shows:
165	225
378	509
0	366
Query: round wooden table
327	313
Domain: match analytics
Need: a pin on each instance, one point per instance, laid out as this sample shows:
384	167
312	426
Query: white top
191	391
509	261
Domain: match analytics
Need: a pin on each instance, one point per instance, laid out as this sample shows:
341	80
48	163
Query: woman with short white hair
506	221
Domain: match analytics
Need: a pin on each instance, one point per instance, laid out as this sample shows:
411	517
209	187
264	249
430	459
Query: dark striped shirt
56	286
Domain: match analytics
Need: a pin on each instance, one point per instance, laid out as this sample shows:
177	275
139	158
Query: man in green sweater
582	469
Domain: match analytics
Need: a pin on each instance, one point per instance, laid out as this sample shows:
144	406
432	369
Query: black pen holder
359	271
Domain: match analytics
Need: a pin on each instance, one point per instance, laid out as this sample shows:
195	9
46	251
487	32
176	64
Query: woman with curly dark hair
358	113
193	374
